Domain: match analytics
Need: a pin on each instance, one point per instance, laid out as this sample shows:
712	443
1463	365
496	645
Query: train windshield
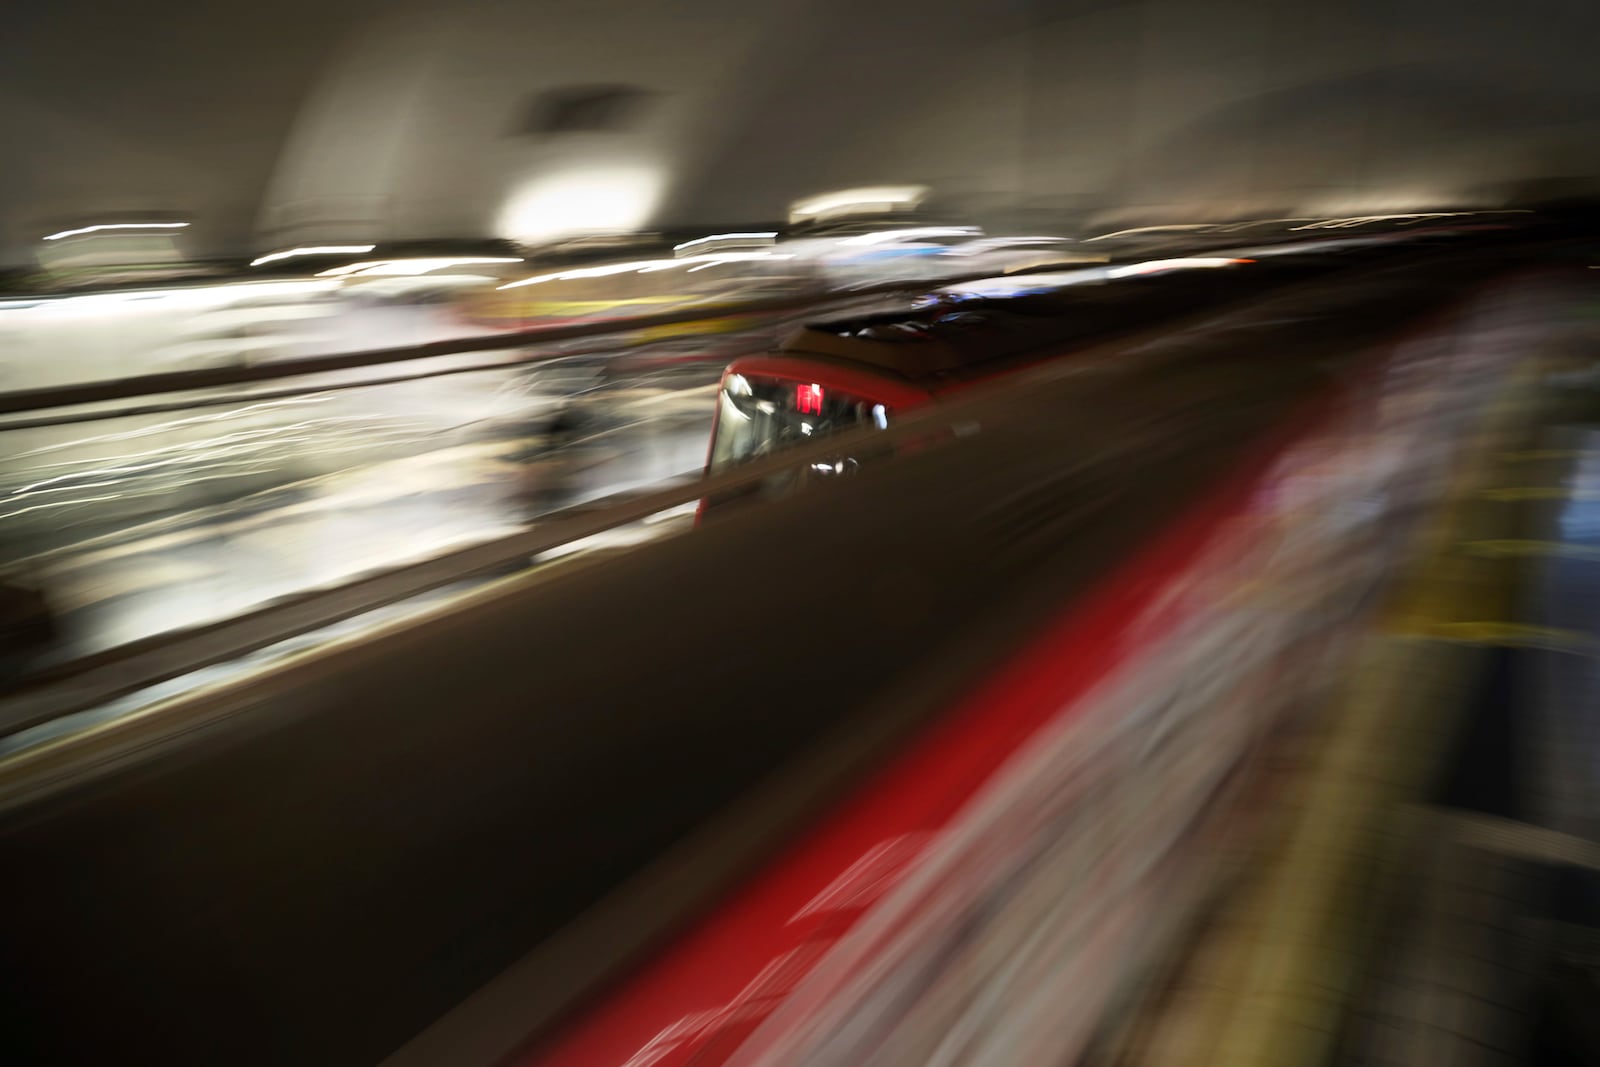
757	417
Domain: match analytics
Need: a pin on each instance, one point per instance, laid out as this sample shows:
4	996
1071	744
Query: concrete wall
1144	110
351	120
109	107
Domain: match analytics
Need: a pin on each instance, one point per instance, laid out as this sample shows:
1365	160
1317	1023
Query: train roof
963	333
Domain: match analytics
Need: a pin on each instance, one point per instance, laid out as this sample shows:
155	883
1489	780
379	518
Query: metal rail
94	680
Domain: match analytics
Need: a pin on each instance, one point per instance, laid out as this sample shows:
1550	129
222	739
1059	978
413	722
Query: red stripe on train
700	998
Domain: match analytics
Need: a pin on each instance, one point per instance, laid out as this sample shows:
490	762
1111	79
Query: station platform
1428	890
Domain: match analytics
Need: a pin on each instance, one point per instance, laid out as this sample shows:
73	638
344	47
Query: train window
757	417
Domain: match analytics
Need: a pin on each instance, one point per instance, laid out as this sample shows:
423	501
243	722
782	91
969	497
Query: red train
925	768
992	892
865	371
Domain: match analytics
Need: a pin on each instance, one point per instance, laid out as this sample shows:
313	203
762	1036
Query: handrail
96	679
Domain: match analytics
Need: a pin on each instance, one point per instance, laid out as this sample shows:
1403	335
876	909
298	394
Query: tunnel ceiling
353	120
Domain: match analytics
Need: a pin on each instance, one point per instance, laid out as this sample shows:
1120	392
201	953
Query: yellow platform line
1516	494
1521	548
1514	635
1534	455
1268	984
1507	837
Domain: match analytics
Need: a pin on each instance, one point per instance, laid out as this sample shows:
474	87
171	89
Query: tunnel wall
1087	112
349	120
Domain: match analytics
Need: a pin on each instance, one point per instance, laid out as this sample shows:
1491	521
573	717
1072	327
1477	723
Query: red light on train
808	399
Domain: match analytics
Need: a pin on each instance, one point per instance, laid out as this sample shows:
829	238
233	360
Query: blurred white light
871	198
1137	230
616	200
312	250
765	235
880	416
733	257
915	234
166	299
1361	220
1003	244
117	226
643	266
594	272
1155	265
395	268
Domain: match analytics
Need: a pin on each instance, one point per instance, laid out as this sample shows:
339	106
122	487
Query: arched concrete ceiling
347	119
115	106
